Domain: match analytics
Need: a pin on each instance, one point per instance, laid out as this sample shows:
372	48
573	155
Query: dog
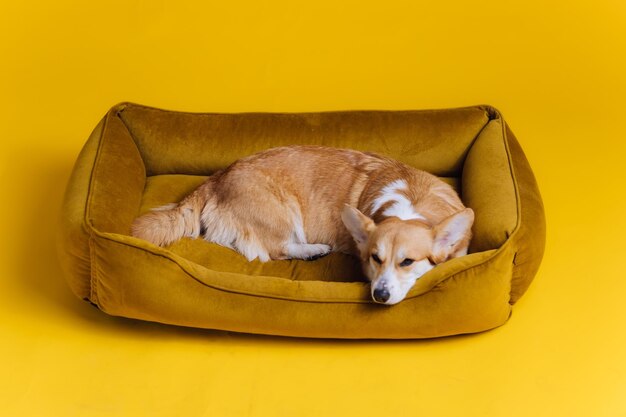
303	202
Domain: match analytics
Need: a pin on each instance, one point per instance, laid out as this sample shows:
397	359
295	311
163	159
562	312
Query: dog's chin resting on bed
303	202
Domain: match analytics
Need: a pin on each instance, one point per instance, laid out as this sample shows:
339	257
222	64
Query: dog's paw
316	251
317	256
307	251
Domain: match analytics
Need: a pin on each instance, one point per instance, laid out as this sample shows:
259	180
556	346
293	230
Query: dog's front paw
318	250
319	255
307	251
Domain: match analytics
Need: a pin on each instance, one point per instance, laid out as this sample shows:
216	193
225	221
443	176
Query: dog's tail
167	224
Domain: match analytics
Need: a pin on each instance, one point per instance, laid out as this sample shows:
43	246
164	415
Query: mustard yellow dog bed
140	157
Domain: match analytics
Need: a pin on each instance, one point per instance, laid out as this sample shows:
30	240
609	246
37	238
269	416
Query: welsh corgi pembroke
303	202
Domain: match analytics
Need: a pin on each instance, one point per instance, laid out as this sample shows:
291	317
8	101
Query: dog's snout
381	295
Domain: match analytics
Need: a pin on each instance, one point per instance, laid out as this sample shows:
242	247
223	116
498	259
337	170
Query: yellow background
556	71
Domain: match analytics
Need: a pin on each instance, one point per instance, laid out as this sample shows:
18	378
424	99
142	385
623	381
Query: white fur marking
306	250
252	250
402	207
381	251
298	234
219	231
388	194
421	267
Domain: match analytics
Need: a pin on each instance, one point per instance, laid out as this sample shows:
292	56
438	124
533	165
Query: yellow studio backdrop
555	70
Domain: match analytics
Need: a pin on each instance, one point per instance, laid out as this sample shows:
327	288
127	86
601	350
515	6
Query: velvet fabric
140	157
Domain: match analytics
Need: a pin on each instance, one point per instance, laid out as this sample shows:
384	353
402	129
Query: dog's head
396	253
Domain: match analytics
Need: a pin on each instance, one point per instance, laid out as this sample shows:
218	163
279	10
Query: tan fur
288	202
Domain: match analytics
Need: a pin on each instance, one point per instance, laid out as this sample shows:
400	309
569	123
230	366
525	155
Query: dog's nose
381	295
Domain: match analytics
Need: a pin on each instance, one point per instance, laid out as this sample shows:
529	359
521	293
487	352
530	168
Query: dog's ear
358	224
450	234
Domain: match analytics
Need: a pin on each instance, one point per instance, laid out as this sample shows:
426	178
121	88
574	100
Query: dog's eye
376	258
406	262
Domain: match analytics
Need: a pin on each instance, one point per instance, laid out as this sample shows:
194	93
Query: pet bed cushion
140	157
